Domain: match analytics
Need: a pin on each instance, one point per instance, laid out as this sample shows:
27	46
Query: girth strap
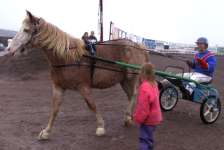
92	68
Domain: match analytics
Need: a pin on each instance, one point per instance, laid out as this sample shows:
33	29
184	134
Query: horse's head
23	38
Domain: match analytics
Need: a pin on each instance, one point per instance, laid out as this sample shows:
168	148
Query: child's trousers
146	137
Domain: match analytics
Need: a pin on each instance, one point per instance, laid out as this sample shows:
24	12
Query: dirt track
24	111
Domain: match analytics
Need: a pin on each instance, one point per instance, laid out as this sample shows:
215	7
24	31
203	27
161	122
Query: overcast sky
170	20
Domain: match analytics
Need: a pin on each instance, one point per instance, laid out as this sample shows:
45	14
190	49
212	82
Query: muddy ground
24	110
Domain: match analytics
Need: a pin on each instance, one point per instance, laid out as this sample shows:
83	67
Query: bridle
30	41
28	44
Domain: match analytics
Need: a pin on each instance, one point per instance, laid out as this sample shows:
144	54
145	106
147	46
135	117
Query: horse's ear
31	17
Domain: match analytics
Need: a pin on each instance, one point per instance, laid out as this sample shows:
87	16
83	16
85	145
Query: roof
7	33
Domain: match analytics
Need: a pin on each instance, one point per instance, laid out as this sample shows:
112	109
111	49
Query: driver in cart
203	64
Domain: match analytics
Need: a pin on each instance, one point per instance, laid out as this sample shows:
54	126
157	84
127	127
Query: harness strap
205	57
92	68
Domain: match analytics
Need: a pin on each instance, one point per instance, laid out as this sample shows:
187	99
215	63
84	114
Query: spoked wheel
168	98
210	110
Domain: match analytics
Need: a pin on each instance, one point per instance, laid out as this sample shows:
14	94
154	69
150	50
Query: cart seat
207	83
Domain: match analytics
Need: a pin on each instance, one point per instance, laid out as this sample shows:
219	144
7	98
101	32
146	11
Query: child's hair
148	73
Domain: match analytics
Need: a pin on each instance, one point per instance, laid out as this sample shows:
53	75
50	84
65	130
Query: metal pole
110	35
101	20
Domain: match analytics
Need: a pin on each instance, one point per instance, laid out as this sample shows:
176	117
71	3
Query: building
5	35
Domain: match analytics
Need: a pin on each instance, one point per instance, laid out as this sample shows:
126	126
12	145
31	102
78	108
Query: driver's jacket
209	58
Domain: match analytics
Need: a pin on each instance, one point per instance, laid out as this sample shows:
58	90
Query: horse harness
92	65
93	59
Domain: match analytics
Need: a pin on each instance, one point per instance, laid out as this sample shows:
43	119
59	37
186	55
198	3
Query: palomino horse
61	49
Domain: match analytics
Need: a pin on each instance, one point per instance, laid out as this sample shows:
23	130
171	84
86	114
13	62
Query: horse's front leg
86	93
56	102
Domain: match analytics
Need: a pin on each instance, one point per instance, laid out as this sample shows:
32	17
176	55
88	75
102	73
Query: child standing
147	112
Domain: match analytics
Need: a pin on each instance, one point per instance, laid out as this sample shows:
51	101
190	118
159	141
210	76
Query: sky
181	21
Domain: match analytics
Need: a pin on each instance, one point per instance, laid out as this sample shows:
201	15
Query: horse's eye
26	30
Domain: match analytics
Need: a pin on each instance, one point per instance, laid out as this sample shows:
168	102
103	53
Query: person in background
203	64
92	37
85	38
92	43
147	110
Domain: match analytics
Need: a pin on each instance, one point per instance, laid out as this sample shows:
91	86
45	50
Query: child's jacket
147	109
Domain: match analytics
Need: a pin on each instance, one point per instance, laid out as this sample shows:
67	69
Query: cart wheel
168	98
210	110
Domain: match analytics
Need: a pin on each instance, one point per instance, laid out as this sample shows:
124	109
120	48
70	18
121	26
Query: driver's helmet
202	40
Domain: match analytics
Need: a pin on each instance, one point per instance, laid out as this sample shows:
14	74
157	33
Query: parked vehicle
2	47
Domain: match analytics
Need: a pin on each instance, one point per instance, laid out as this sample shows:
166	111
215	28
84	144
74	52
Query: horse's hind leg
56	102
129	86
86	93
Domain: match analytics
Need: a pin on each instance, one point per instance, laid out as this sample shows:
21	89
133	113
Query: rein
179	58
78	64
102	59
108	44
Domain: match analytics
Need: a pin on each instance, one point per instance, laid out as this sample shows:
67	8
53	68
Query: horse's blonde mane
63	45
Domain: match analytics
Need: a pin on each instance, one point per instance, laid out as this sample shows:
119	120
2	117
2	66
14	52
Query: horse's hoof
100	131
128	123
44	135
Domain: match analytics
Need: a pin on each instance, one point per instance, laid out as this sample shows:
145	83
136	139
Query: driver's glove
203	63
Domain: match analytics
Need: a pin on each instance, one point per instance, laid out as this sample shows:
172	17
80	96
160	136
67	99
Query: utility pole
101	20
